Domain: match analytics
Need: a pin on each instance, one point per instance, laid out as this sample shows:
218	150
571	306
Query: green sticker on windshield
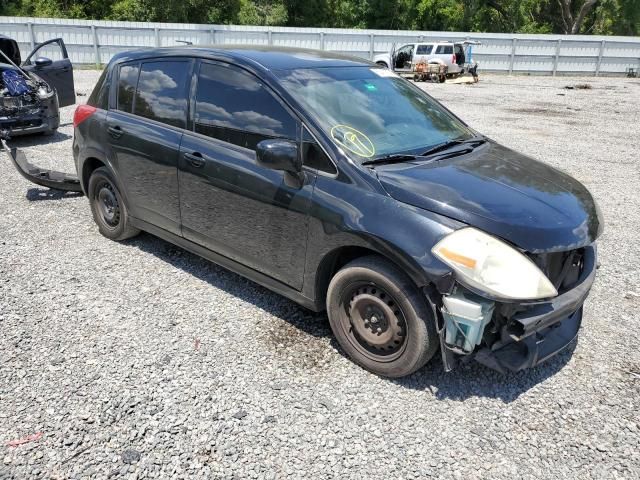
371	87
353	140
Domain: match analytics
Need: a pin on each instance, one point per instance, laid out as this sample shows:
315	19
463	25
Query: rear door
145	127
422	53
445	53
58	74
229	203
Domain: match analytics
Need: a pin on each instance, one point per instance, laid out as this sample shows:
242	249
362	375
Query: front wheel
380	319
108	207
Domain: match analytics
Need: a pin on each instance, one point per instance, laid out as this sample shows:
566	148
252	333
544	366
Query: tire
108	208
382	64
380	318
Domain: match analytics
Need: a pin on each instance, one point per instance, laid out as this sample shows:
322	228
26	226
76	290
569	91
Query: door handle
115	132
195	159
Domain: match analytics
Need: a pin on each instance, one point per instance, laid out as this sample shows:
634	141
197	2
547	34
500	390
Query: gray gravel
139	360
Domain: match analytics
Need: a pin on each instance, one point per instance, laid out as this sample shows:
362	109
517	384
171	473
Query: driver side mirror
41	62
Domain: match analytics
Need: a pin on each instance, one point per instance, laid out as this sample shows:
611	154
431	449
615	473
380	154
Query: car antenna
19	68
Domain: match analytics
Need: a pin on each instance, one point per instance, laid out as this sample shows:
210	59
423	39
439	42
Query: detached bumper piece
45	178
542	330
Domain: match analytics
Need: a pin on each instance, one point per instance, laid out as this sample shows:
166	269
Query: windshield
371	112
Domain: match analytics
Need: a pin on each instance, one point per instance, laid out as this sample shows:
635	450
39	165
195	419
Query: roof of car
271	58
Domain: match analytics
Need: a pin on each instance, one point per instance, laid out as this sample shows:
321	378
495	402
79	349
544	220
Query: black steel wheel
380	319
108	207
373	321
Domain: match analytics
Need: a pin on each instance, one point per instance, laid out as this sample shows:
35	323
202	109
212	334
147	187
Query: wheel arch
337	258
89	165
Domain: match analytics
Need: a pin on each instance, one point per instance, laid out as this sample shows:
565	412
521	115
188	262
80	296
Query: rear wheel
380	319
107	206
382	64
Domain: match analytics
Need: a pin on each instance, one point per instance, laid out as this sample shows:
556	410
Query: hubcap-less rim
374	322
108	205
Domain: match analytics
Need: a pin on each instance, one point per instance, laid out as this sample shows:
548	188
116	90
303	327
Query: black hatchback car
344	187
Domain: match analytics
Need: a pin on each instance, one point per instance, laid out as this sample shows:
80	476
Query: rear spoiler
45	178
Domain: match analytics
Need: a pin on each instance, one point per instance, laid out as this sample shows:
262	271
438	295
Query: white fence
95	42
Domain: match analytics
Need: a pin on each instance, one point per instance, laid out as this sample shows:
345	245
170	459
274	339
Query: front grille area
11	102
562	268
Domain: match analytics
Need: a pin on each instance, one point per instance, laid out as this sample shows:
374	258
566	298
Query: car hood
534	206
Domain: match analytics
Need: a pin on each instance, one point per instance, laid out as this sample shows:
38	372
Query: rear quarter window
127	81
445	49
100	95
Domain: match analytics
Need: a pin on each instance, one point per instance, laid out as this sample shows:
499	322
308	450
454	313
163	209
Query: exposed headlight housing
45	91
489	265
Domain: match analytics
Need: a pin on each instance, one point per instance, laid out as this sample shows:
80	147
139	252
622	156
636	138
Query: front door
58	73
402	58
144	131
229	203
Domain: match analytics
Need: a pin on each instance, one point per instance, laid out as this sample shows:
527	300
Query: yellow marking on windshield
353	140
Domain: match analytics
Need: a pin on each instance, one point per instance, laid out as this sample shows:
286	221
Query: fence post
212	36
32	35
371	46
600	52
156	31
96	48
321	40
555	60
513	55
269	37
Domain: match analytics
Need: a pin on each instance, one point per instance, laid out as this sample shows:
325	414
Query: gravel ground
140	360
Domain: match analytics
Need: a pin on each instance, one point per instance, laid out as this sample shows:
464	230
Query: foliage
614	17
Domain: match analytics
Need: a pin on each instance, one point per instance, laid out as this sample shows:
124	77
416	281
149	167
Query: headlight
45	91
490	265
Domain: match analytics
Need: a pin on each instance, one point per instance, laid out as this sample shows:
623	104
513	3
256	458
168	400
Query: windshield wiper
452	143
394	158
403	157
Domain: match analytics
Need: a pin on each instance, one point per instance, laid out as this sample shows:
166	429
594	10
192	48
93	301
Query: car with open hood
346	188
31	92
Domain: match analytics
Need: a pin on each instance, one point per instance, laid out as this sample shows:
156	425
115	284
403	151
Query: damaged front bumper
536	332
43	177
30	119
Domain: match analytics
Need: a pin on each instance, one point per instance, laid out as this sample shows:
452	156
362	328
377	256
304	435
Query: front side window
127	81
161	94
234	106
372	112
313	155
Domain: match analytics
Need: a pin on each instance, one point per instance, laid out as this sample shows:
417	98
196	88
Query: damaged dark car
345	188
32	91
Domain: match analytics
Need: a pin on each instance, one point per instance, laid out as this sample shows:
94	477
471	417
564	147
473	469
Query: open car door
50	61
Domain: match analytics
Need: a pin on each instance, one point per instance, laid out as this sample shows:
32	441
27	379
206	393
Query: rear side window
445	49
162	92
127	81
234	106
424	49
